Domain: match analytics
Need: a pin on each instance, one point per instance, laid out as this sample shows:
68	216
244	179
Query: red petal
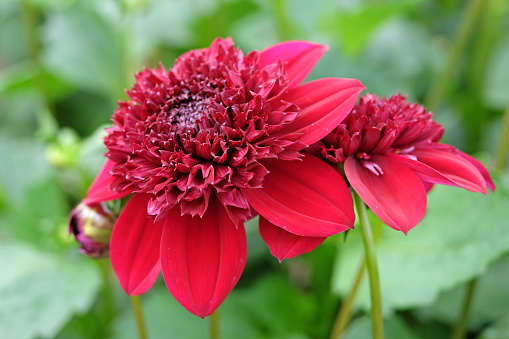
324	103
307	198
397	196
480	167
283	244
100	191
202	258
455	167
134	246
300	56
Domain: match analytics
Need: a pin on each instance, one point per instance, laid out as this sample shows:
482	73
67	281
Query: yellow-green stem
462	325
467	24
345	311
34	50
138	314
282	20
503	144
214	325
372	266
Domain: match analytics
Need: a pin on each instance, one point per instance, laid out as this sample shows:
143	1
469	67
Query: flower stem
345	311
138	314
461	326
283	23
371	264
503	144
214	325
34	50
466	26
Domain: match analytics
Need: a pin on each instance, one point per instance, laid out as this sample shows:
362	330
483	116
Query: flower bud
92	227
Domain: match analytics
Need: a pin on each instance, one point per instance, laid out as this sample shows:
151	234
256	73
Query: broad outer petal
455	167
283	244
300	58
307	198
134	246
480	167
100	190
397	196
202	258
323	103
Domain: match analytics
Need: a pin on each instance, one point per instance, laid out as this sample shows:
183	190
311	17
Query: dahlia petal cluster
207	145
390	152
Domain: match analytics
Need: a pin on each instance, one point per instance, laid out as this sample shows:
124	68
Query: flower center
185	113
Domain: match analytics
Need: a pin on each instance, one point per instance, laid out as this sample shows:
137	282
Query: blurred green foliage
65	63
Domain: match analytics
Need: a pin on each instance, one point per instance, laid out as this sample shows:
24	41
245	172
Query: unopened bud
92	227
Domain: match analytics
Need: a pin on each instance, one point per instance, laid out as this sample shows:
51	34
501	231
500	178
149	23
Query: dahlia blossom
209	144
391	157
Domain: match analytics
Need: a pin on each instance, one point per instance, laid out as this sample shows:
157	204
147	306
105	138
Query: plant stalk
503	144
138	314
214	325
466	26
371	264
462	325
345	311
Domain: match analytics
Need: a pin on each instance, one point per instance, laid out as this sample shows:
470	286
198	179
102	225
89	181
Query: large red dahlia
391	156
209	144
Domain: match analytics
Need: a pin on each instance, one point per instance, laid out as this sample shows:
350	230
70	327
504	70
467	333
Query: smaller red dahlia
391	157
209	144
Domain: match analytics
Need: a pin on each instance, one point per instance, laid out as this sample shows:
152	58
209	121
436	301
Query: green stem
138	314
467	24
371	264
214	325
503	144
283	23
34	50
462	325
345	311
108	302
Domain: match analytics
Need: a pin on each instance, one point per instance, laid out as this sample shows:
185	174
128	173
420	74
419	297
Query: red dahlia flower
391	157
209	144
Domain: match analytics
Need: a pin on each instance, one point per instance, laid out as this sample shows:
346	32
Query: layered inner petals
100	190
134	247
396	194
307	198
285	245
202	258
300	58
324	103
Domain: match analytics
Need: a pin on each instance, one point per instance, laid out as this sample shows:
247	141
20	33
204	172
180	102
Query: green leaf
41	217
23	164
269	308
497	330
41	292
83	49
355	27
460	236
394	328
496	89
490	299
164	318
